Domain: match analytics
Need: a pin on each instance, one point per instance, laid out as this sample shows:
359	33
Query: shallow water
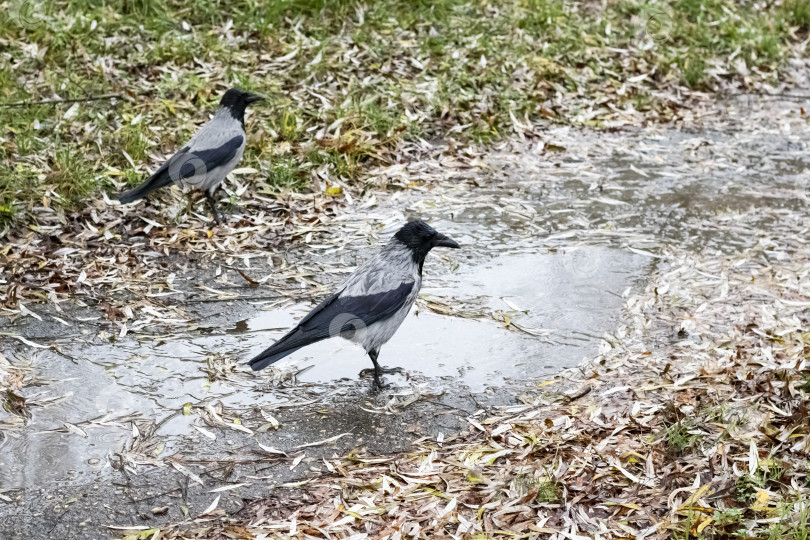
551	243
566	304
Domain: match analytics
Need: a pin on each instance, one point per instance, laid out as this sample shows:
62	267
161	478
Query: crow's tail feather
268	357
294	340
159	180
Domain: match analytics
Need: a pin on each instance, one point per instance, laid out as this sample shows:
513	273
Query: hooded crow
211	154
372	304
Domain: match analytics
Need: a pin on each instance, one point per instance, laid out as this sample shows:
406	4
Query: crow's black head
420	238
237	100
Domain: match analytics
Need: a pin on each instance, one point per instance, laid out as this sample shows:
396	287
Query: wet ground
554	234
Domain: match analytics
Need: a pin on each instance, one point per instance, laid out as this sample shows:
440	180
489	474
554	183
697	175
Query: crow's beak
446	241
253	98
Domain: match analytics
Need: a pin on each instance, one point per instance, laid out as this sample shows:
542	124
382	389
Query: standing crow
211	154
373	302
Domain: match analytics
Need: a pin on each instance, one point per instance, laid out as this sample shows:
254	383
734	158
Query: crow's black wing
190	162
185	164
335	316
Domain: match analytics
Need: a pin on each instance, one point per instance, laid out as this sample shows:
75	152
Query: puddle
550	246
566	300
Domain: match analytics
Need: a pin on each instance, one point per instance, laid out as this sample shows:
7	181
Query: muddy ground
144	425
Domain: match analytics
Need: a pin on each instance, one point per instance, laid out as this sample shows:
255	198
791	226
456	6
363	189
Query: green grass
797	13
545	487
748	485
390	71
678	436
548	491
794	523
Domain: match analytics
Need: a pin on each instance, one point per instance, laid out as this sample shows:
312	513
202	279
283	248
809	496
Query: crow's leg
190	202
373	354
213	204
378	370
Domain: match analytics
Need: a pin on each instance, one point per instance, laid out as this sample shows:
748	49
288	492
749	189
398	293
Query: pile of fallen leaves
134	249
691	423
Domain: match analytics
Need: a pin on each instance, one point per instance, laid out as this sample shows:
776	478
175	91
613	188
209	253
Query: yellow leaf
333	191
703	525
696	496
186	409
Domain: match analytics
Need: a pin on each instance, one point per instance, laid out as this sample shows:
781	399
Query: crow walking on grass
372	304
211	154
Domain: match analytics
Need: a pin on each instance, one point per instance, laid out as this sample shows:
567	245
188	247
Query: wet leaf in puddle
27	312
213	506
15	404
228	488
270	418
75	429
186	472
513	306
272	450
247	278
237	425
205	432
325	441
297	461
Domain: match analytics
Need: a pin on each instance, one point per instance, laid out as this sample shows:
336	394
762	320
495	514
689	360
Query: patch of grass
794	522
547	489
694	72
728	518
67	166
678	437
797	13
722	414
805	385
746	488
540	16
748	485
390	70
284	173
685	527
